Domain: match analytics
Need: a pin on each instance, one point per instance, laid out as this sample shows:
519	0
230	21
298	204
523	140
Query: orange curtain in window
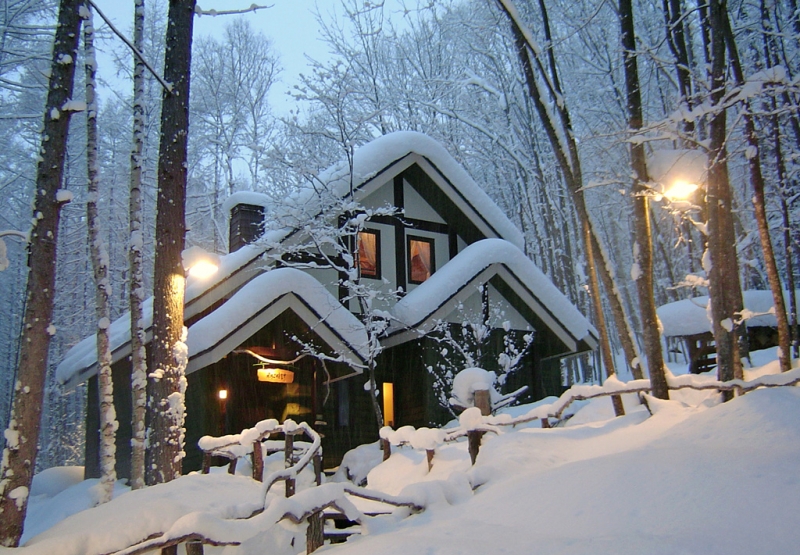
368	254
420	260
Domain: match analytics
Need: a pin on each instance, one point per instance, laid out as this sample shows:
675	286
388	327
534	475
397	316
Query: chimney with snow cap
247	210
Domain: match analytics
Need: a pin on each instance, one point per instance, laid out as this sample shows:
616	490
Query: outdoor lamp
680	190
199	263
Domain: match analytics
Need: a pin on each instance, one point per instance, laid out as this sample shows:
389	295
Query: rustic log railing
306	504
308	508
475	421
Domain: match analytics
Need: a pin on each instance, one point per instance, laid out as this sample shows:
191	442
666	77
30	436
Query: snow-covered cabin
688	321
450	250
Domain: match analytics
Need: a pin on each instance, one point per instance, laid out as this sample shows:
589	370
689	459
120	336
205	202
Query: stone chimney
247	210
246	225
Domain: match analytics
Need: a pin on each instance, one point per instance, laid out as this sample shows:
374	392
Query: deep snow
695	477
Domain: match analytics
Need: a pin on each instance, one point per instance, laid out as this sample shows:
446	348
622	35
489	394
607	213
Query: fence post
258	461
429	453
314	533
232	466
194	547
482	401
206	462
386	447
288	457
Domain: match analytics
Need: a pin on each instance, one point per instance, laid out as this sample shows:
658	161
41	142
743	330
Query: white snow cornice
477	264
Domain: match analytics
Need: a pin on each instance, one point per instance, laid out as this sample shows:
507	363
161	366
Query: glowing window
420	259
388	403
369	254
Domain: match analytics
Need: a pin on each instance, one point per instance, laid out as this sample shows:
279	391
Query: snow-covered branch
213	13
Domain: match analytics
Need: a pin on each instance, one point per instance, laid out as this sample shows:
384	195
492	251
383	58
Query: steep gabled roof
373	164
250	309
262	300
477	264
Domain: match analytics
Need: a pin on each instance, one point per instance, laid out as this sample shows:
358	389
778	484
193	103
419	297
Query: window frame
432	244
378	270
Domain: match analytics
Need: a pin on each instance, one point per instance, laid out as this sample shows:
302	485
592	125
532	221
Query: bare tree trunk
605	344
22	434
724	286
643	240
136	292
566	151
166	403
760	205
676	39
99	254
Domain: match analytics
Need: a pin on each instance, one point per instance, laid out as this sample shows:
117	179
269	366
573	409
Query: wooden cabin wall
123	405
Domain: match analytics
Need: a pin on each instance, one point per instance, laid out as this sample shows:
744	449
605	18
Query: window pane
368	253
420	255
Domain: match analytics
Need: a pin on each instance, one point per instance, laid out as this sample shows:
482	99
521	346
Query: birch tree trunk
166	404
136	291
22	434
643	240
99	255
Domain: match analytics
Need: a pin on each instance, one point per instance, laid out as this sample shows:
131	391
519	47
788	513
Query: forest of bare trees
558	108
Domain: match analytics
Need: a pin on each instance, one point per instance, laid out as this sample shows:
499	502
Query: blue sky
290	24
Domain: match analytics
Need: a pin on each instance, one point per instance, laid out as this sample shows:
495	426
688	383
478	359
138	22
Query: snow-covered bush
483	340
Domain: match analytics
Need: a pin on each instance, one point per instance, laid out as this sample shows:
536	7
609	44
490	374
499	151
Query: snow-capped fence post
288	454
258	461
386	447
194	547
482	402
315	537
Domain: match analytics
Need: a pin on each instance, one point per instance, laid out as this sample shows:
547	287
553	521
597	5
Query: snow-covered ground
696	477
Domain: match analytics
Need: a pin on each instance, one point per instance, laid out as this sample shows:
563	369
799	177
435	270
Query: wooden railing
308	506
476	421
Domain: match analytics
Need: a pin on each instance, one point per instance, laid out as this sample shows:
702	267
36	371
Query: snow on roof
369	160
247	312
690	316
321	311
79	362
375	156
421	303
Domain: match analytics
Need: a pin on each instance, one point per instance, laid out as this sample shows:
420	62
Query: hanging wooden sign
275	375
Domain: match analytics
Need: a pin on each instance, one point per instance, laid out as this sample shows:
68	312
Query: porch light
199	263
222	394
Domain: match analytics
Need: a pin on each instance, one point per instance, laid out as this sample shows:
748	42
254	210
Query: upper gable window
421	264
369	254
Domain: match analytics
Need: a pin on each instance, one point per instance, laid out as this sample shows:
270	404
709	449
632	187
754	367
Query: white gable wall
417	208
473	309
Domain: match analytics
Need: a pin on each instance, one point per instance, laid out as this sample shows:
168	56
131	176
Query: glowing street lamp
680	190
